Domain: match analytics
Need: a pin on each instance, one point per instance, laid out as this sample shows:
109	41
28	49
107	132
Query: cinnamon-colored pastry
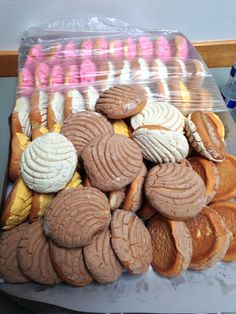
210	239
116	198
172	246
33	255
84	126
38	109
209	174
204	137
118	161
227	173
218	123
20	121
227	210
69	265
120	127
134	193
55	109
17	206
84	212
131	241
9	266
39	205
176	191
18	144
121	101
101	259
185	163
36	132
147	211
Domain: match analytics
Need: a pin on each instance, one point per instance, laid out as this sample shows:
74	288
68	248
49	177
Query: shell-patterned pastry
161	145
20	116
17	207
48	163
159	113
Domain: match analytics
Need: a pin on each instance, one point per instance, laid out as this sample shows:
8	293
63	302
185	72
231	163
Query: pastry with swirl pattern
101	259
76	215
176	191
84	126
112	161
159	113
33	255
48	163
131	241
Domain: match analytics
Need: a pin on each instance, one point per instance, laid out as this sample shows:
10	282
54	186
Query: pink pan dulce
182	47
55	54
70	51
88	71
37	52
145	47
57	78
42	73
163	49
72	75
101	47
86	48
130	50
116	48
26	81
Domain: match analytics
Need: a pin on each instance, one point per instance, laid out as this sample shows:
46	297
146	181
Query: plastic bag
65	65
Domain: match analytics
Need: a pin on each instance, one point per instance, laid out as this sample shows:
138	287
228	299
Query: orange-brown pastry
39	205
172	246
227	174
36	132
204	137
18	144
20	121
74	182
116	198
218	123
134	193
120	127
38	109
121	101
227	211
210	239
17	206
87	182
147	211
209	174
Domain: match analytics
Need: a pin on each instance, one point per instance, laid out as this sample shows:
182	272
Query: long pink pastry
130	49
88	71
116	49
25	82
181	47
70	52
101	48
145	47
86	48
55	54
162	48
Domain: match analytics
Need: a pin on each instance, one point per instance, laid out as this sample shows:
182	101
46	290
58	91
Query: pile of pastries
133	185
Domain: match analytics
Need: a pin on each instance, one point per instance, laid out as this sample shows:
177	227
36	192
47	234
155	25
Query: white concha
48	163
159	113
161	146
22	108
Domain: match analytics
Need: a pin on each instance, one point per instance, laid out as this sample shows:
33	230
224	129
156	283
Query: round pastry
160	145
33	255
101	259
218	123
147	212
209	174
140	70
162	48
9	266
69	265
48	163
20	121
185	163
210	239
176	191
39	205
90	95
83	211
17	206
159	113
18	144
131	241
158	70
172	246
39	103
227	211
112	161
84	126
121	101
116	199
203	136
120	127
227	173
134	193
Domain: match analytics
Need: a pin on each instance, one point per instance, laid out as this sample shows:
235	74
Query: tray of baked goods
118	197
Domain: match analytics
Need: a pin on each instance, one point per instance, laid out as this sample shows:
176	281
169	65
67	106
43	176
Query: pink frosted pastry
74	100
162	48
116	49
86	48
181	47
55	109
130	49
88	72
55	54
36	54
42	73
25	81
101	48
70	52
145	48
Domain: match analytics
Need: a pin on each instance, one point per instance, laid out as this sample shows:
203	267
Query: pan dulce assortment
111	179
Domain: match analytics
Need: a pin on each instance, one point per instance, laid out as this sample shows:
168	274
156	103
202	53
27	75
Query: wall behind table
198	19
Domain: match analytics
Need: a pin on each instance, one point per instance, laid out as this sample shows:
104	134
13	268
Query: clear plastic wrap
63	66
